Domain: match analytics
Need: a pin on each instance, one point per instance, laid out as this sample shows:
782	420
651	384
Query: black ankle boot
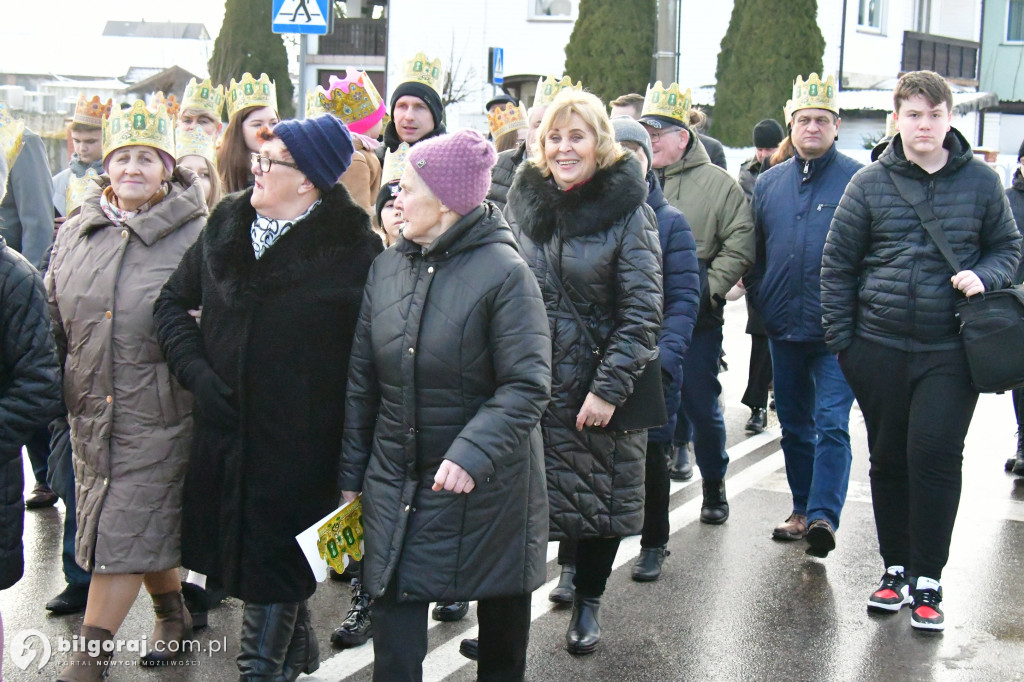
304	651
564	590
357	626
449	611
267	631
681	469
584	631
715	509
1018	460
648	565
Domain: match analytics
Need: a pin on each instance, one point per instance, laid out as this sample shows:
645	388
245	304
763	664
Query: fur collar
541	209
335	229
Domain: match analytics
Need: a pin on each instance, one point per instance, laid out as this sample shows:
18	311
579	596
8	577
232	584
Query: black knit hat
386	193
768	134
423	92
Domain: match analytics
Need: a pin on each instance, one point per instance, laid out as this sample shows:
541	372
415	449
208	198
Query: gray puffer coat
131	422
451	360
603	239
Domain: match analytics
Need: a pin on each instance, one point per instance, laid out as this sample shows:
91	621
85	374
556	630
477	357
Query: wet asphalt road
732	604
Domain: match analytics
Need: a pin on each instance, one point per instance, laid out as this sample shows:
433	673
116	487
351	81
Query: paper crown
195	142
12	131
419	69
91	112
548	88
203	95
170	102
668	102
138	126
814	94
394	164
506	119
77	186
250	92
890	125
353	99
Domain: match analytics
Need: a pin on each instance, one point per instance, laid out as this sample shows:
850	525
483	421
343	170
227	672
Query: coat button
406	509
124	233
110	399
430	270
109	314
412	351
106	481
103	568
412	430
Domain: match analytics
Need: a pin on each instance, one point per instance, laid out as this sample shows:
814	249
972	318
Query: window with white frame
870	15
552	10
1015	21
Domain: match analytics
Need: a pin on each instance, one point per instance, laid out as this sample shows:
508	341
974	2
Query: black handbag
645	407
991	323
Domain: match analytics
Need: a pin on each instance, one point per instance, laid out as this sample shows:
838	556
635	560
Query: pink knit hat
456	168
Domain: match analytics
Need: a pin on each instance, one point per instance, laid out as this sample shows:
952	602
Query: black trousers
1018	406
400	638
656	496
917	407
759	374
594	559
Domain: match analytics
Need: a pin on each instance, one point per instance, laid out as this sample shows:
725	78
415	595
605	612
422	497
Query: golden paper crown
394	164
360	102
506	119
313	105
169	102
11	132
77	186
670	102
91	112
815	94
548	88
195	142
419	69
250	92
890	125
203	95
787	110
138	126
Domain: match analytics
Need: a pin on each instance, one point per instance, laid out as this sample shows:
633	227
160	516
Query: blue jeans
813	402
700	402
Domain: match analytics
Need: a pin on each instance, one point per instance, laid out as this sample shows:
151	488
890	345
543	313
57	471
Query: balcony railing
356	37
951	58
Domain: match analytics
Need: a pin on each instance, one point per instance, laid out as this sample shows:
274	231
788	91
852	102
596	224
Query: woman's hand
968	282
595	412
349	495
450	476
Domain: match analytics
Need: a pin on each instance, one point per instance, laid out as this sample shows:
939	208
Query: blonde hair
589	108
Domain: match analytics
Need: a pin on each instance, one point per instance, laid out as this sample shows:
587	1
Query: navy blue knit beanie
321	146
425	93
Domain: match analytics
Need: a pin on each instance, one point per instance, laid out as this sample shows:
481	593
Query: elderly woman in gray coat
449	376
131	422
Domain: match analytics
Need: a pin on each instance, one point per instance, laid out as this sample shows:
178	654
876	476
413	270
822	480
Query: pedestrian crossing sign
301	16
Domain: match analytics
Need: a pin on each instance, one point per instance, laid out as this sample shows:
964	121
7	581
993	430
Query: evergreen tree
246	43
769	43
611	46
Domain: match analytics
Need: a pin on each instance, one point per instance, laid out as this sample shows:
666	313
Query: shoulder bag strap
911	193
556	275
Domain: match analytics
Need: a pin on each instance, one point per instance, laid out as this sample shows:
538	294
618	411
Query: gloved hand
214	399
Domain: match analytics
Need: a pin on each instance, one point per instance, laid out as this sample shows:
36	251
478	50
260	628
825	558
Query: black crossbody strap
912	194
557	276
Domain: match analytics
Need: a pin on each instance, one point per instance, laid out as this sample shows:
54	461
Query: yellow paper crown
420	69
813	93
138	126
313	105
195	142
361	101
394	164
669	102
169	102
506	119
203	95
91	112
11	132
890	125
250	92
548	88
77	186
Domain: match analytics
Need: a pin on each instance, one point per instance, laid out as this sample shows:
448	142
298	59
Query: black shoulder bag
991	323
645	406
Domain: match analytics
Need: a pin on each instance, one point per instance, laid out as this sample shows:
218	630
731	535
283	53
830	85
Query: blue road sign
498	65
301	16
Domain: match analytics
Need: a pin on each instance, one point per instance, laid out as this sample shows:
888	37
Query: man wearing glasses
717	210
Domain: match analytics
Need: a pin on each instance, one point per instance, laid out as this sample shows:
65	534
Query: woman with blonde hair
578	210
196	151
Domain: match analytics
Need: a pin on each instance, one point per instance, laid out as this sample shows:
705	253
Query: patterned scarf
119	216
265	231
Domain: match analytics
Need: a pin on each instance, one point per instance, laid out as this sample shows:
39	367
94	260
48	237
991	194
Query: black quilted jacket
503	173
603	239
30	392
882	277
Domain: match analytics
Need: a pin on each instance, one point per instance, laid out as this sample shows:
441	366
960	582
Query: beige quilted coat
131	423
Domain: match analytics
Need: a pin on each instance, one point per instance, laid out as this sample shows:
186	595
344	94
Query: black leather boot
267	631
357	626
1018	460
648	565
304	651
449	611
681	469
715	509
470	648
584	631
564	590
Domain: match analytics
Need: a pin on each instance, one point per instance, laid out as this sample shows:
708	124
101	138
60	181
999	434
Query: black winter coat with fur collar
603	240
278	331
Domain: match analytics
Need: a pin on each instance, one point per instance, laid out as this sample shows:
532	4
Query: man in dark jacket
681	282
1015	195
416	109
793	207
887	298
768	135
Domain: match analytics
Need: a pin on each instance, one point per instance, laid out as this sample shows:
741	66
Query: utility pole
666	55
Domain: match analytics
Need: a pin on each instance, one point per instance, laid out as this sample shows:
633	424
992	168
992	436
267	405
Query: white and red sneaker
925	613
893	592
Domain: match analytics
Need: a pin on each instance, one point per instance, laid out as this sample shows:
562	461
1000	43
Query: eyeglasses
655	136
265	163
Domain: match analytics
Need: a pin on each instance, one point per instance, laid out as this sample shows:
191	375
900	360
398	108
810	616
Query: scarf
119	216
266	231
